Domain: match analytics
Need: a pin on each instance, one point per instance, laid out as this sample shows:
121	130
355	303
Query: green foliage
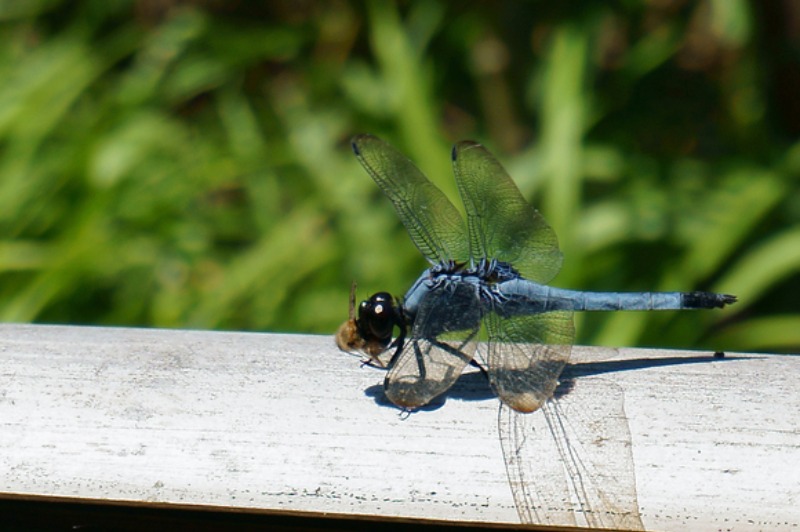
182	166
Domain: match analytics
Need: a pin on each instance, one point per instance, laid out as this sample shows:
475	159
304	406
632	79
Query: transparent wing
432	222
442	342
526	355
570	463
501	224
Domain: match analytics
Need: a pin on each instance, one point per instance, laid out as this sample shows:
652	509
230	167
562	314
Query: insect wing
501	224
442	342
526	354
432	222
571	463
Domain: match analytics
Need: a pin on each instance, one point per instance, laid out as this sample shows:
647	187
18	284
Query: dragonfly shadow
471	386
587	369
577	370
474	386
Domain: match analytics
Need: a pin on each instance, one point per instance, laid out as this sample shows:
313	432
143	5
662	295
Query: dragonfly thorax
484	277
487	270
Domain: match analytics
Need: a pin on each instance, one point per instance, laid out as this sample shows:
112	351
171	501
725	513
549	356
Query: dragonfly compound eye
377	318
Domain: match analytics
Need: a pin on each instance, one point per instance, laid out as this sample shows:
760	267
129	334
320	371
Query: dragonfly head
371	332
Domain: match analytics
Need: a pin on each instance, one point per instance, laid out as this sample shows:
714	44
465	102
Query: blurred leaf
652	50
266	274
728	214
410	80
769	333
49	79
731	21
762	267
23	255
119	153
21	9
563	107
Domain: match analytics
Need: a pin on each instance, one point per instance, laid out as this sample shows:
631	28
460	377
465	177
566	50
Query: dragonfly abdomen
527	297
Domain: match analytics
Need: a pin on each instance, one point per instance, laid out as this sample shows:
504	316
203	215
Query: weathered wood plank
287	422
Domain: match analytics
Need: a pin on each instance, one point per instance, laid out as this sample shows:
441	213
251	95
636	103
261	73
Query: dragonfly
489	271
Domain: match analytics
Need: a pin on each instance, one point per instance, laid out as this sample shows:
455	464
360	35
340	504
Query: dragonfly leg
474	363
397	344
452	350
372	362
460	354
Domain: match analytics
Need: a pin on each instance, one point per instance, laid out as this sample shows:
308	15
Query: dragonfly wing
442	342
432	222
526	355
501	224
571	462
535	472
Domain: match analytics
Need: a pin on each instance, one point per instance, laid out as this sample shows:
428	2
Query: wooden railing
278	424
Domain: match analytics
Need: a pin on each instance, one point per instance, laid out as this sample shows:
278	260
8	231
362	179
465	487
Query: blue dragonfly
491	271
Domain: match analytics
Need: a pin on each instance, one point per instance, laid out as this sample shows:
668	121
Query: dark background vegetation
186	164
